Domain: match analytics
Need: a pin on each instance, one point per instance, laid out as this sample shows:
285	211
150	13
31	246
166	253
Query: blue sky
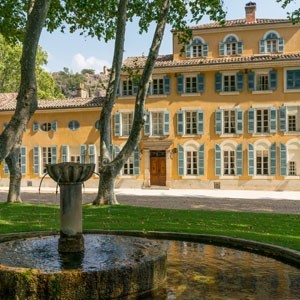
77	52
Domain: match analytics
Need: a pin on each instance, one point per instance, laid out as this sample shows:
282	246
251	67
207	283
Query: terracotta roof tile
8	102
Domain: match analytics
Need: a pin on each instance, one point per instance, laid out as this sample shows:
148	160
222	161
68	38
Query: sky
77	52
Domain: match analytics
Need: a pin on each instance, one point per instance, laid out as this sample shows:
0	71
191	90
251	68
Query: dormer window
231	46
197	48
271	43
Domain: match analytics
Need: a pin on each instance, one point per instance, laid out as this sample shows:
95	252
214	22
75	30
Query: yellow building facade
222	114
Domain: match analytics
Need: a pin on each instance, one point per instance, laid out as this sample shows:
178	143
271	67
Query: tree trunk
12	160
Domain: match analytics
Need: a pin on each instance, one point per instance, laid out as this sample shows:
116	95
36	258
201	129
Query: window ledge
127	97
262	177
122	137
225	135
229	177
292	133
128	176
263	134
229	93
262	92
157	136
158	96
292	91
190	94
190	135
292	177
190	177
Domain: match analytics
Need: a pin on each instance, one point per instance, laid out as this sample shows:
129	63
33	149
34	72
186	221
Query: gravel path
179	202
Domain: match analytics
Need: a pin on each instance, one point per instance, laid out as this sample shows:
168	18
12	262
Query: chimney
81	92
250	12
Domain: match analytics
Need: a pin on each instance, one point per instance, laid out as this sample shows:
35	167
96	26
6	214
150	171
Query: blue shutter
188	51
239	116
201	82
135	84
218	82
82	153
180	122
251	81
239	81
92	153
250	159
201	160
180	160
54	125
280	45
240	48
283	159
239	160
273	119
147	123
35	126
200	121
282	118
166	130
53	155
218	121
273	80
217	160
251	119
262	46
290	79
36	160
65	153
221	49
23	159
204	50
117	124
273	159
180	87
136	161
167	86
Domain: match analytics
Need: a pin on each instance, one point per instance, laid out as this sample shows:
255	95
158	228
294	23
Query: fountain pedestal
69	177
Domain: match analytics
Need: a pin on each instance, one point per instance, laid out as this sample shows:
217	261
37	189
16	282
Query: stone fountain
76	265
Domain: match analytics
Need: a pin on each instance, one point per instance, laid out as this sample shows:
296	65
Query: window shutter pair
36	126
272	78
36	158
200	83
239	121
181	160
239	82
272	120
166	124
64	153
82	153
181	122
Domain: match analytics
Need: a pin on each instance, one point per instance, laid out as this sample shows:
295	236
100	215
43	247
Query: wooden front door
158	168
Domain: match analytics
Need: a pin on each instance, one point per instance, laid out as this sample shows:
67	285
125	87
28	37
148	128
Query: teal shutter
53	155
167	86
282	118
6	170
262	46
136	161
221	49
36	160
251	81
180	87
65	153
180	160
82	153
180	122
273	80
92	153
280	45
273	159
239	116
135	84
200	121
36	126
23	159
283	160
251	117
290	79
188	51
273	119
166	123
201	82
147	123
204	50
250	159
218	121
240	48
217	160
239	160
201	160
218	82
239	81
117	124
54	125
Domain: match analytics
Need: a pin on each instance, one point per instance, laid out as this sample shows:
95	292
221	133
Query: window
271	43
229	121
75	158
289	117
128	166
190	122
127	120
191	163
263	80
292	168
262	162
197	48
262	120
229	82
22	163
293	79
292	125
159	86
73	125
230	46
190	84
127	88
290	158
46	157
46	127
157	123
229	162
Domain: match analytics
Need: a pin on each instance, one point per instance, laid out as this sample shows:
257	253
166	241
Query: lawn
279	229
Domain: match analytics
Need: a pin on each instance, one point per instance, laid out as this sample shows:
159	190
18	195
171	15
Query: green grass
279	229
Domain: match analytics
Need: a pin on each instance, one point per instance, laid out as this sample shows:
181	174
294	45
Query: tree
87	71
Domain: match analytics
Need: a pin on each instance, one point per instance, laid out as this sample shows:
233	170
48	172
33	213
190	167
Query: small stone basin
70	173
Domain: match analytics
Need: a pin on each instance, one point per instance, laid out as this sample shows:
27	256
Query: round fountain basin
111	267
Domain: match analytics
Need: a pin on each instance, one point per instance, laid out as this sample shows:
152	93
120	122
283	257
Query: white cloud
79	62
